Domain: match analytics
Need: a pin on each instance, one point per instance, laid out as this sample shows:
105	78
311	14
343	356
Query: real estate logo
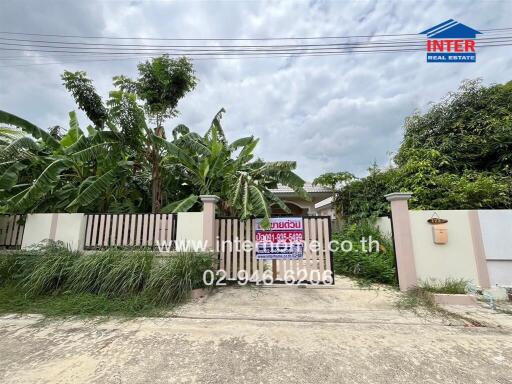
451	42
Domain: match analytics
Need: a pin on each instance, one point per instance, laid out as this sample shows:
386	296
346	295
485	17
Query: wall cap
398	196
209	198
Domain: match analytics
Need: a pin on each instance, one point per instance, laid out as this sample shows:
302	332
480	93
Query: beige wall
190	226
456	259
66	227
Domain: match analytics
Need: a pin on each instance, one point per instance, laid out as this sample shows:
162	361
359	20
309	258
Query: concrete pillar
209	205
402	235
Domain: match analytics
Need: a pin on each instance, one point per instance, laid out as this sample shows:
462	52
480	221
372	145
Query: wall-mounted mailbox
440	234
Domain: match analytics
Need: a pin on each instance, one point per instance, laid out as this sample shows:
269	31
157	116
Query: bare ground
261	335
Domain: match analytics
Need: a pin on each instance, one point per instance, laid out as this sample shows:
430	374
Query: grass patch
448	286
13	300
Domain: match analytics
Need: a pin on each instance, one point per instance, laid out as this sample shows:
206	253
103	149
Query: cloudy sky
328	113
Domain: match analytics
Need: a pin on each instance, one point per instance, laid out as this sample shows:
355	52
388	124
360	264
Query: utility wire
221	39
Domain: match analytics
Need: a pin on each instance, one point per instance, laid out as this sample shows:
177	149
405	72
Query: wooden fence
11	231
129	230
315	266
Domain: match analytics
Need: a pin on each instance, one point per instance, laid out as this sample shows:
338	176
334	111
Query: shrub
173	278
15	265
50	269
112	272
370	264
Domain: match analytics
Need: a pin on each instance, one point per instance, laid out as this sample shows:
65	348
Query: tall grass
113	272
173	278
53	279
50	270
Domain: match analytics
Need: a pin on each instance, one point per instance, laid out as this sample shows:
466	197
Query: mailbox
440	234
439	230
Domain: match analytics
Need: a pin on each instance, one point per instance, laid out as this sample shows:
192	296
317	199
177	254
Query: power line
221	39
239	57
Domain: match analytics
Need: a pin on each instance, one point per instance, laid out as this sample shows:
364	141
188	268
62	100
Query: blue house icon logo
451	42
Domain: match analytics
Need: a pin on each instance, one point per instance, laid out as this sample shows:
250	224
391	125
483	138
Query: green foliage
85	96
472	127
454	156
173	278
365	263
212	166
162	82
334	179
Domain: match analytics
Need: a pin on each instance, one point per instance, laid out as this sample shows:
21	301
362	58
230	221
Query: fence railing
129	230
11	231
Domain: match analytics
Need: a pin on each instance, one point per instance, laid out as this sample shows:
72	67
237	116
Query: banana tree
213	166
40	173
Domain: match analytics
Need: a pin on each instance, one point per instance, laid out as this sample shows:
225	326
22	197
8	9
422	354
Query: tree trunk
156	175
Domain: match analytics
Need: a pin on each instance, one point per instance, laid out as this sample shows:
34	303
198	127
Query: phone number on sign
290	277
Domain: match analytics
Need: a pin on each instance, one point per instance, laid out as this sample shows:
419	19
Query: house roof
308	187
451	29
324	203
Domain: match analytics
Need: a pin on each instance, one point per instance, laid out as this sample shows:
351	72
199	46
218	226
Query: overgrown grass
369	264
54	280
173	278
449	286
112	272
50	270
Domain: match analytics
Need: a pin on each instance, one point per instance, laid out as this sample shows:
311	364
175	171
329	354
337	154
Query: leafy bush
173	278
369	264
112	272
51	269
451	286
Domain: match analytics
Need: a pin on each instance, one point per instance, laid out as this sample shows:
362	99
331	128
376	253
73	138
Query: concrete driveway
260	335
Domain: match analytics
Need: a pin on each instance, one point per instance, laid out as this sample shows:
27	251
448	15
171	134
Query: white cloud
327	113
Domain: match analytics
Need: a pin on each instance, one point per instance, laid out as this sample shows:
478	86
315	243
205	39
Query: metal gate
239	262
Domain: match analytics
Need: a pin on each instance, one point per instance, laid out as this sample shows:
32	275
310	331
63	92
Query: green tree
161	84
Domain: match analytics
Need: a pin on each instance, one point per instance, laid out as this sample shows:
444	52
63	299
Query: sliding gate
237	254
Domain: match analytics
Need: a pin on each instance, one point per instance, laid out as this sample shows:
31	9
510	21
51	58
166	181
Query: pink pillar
403	239
209	205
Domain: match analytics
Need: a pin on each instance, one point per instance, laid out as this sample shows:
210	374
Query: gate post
402	236
209	205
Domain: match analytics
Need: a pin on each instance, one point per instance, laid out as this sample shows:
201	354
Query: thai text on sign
283	241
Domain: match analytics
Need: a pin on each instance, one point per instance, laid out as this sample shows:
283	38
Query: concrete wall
456	259
190	226
384	225
66	227
496	228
